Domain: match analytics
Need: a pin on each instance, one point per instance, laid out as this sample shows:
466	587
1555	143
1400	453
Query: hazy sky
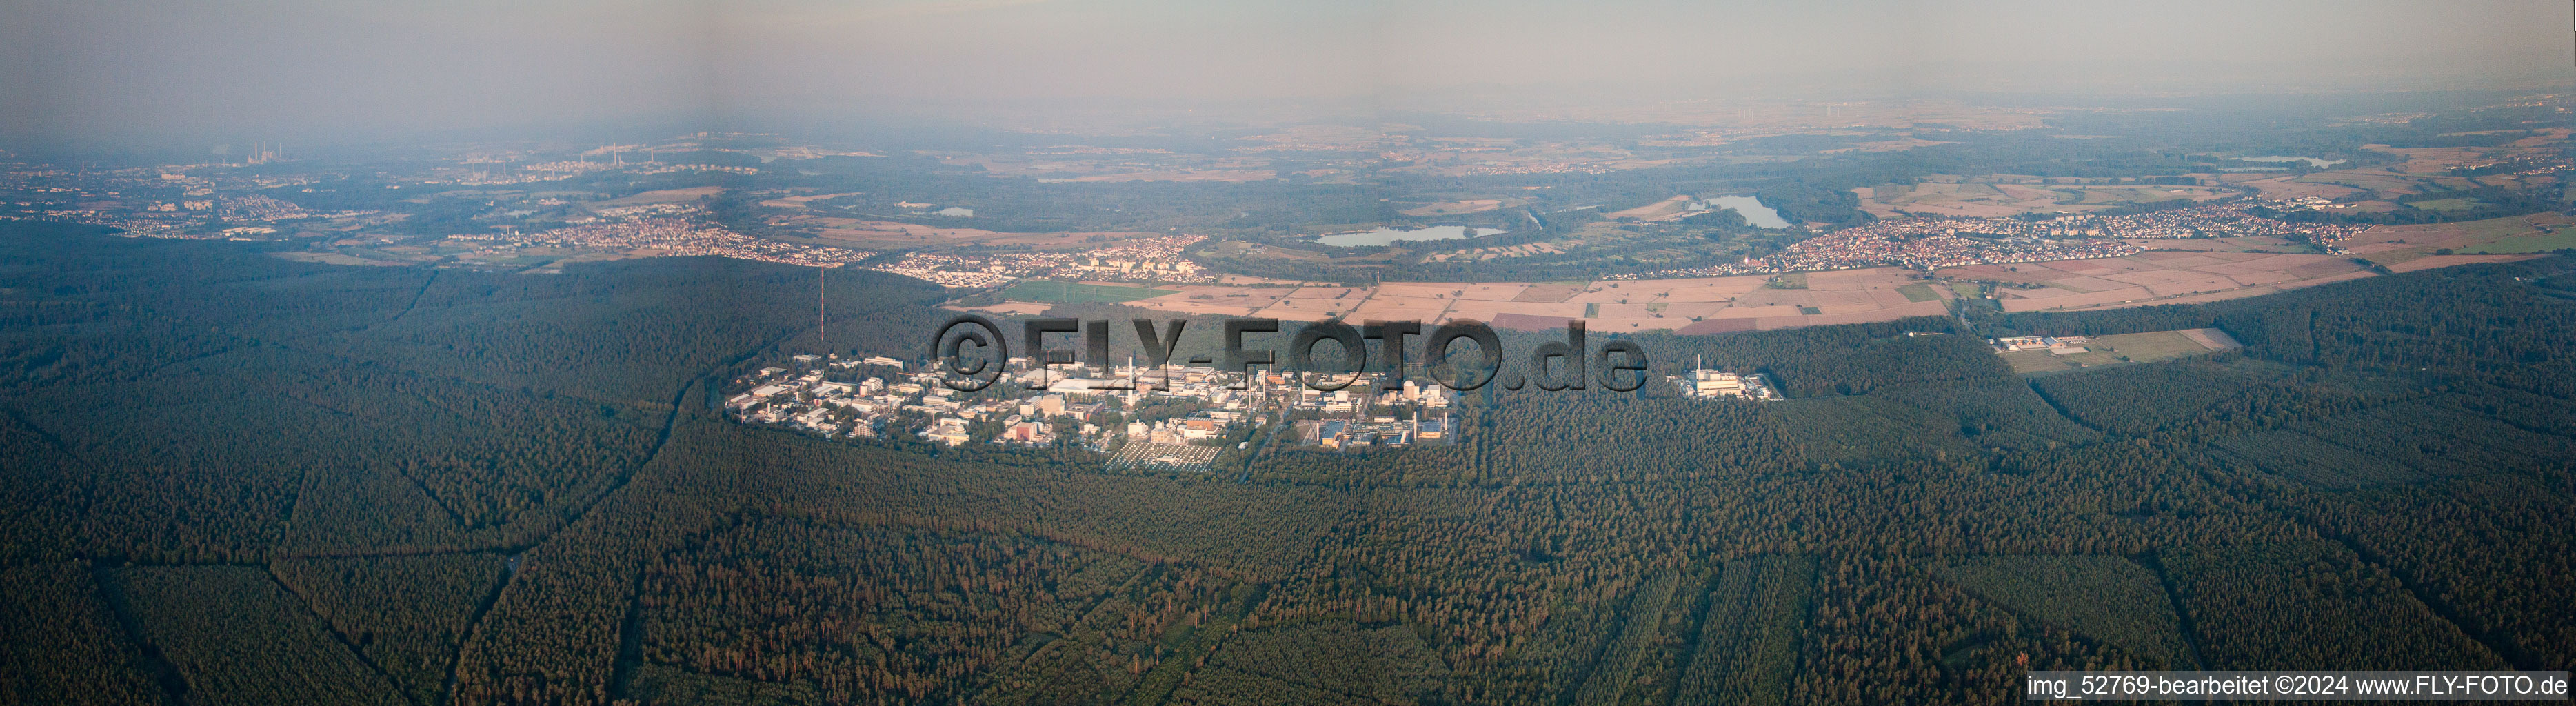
109	68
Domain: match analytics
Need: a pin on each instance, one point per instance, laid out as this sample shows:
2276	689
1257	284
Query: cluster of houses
1709	383
1155	259
1359	432
1093	406
2059	345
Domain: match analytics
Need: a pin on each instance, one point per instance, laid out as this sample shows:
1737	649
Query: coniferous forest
229	478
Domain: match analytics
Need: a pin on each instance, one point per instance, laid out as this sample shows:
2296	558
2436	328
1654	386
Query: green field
2108	350
2447	204
1068	292
1917	292
2538	242
2493	236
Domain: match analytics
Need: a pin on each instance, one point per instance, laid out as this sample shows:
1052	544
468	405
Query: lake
1754	212
2312	161
1386	236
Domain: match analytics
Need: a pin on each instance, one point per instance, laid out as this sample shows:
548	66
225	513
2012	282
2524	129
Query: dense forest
231	478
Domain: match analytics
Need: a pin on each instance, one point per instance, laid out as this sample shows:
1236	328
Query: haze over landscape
108	70
1034	352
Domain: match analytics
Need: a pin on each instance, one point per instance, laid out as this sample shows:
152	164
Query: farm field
2121	349
2414	247
1007	308
1523	250
2168	277
800	201
2449	204
2254	243
2433	160
1903	142
1695	305
2183	271
2386	183
1454	207
2286	187
2541	242
2176	271
1654	211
